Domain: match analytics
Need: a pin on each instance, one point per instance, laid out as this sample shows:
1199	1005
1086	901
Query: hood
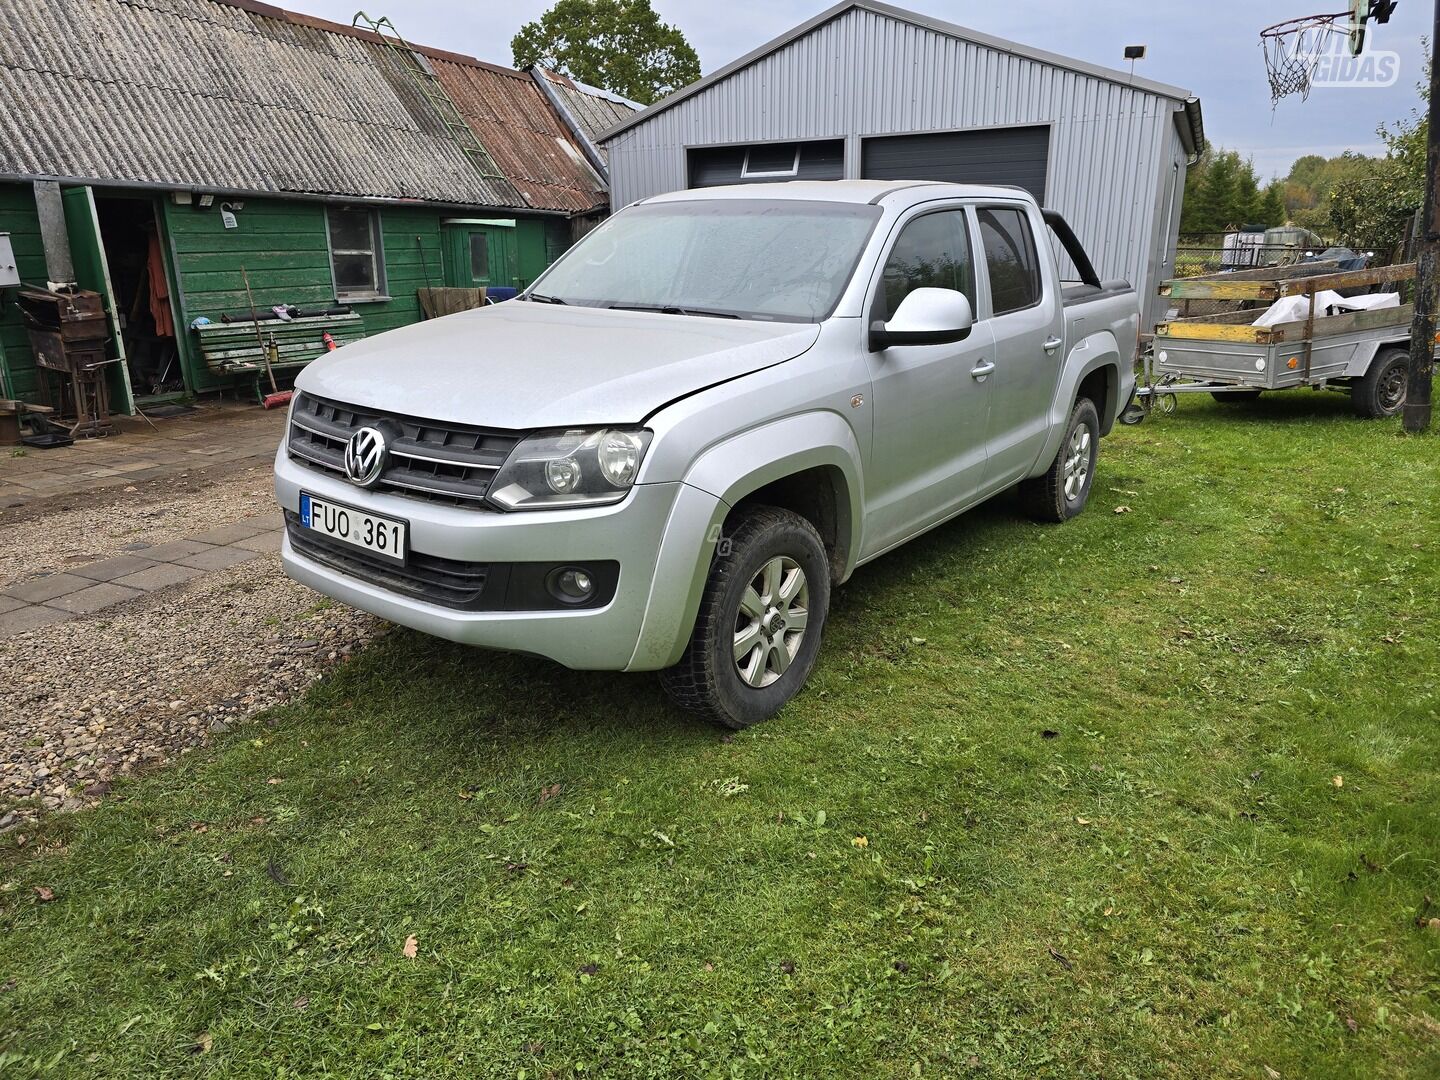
525	365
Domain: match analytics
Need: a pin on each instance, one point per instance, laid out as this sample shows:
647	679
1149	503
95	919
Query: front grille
431	460
448	582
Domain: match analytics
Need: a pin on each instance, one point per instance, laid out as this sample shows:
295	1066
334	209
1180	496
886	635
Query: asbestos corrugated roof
595	111
528	140
236	95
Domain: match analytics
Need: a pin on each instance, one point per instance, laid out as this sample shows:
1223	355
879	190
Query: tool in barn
422	74
1293	51
68	331
277	397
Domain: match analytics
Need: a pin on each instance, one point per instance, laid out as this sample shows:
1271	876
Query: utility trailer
1221	352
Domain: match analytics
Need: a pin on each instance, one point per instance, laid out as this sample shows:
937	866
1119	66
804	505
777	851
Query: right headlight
581	467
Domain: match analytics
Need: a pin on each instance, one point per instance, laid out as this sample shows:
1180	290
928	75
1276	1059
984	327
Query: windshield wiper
673	309
541	298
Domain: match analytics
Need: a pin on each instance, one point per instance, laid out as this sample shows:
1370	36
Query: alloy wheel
772	620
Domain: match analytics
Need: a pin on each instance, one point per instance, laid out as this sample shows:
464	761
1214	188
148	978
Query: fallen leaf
1048	734
587	969
709	966
1338	781
275	780
300	1003
1271	1074
412	947
917	641
1122	509
1351	1024
861	842
203	1042
1060	958
787	967
517	867
272	868
44	893
901	966
1082	821
547	793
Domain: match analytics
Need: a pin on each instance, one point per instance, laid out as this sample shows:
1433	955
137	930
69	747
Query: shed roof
595	111
237	95
939	26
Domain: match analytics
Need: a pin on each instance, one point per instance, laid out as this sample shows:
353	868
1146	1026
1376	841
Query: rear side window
1010	259
933	252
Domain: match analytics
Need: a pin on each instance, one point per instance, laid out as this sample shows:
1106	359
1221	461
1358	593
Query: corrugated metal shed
1117	147
236	95
528	140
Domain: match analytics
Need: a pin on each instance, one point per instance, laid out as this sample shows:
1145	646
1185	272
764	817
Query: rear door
1028	320
930	401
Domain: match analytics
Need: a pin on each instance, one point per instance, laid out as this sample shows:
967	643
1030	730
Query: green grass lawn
1155	793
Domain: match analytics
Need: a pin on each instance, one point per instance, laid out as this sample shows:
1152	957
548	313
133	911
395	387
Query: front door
479	256
928	452
87	253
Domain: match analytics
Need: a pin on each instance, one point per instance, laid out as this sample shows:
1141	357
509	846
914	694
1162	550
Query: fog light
572	585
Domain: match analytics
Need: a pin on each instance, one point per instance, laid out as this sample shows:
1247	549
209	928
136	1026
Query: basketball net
1293	50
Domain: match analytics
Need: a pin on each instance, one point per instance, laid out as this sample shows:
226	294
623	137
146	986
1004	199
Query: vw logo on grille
365	455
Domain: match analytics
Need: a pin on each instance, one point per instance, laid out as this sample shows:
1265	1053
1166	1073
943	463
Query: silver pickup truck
701	419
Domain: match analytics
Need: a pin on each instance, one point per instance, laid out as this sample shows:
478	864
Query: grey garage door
994	156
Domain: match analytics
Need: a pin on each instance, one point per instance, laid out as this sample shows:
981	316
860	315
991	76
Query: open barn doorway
136	254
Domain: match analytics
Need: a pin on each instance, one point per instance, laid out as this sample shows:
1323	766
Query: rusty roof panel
528	140
238	95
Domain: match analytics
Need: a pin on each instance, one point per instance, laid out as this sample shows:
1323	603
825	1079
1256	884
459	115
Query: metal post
1422	331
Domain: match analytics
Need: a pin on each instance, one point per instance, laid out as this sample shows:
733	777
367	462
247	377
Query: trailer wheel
1235	396
1380	392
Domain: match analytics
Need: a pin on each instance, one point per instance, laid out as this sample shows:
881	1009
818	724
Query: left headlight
583	467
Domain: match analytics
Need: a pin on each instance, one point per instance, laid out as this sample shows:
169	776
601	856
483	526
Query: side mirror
925	317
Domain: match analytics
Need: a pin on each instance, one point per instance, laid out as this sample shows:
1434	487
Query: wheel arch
1096	359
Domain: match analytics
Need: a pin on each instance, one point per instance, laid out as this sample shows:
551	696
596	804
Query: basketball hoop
1293	50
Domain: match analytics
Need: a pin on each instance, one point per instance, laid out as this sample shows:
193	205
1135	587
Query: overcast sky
1210	47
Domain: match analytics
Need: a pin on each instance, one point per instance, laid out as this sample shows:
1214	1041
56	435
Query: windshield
773	259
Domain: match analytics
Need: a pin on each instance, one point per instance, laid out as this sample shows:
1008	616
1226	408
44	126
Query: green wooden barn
173	152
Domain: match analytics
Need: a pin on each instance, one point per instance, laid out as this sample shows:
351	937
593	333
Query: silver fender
722	476
1098	350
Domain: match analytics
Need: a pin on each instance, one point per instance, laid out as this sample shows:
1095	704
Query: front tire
1063	489
757	634
1380	392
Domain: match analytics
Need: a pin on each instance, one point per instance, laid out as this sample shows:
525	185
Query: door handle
980	370
1052	343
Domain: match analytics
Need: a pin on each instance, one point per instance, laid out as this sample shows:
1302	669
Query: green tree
618	45
1221	190
1374	212
1272	206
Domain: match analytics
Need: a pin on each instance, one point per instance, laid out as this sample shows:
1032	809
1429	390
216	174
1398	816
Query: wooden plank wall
18	218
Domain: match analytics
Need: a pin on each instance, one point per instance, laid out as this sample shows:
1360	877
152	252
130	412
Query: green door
87	252
479	254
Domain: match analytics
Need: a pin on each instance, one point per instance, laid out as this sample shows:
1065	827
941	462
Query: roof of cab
847	191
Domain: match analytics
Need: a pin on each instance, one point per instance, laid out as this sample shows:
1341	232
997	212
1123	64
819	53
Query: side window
356	257
933	252
1010	259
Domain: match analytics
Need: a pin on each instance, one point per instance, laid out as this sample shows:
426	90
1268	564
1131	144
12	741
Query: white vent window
777	159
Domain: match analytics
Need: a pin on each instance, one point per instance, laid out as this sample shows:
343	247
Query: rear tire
1235	397
757	634
1062	490
1380	392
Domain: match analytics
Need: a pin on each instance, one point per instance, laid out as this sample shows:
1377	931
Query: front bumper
657	535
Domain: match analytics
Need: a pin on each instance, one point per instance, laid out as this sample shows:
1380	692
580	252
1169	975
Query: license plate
381	536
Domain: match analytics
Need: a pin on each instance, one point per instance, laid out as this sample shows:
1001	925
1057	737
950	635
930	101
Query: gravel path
147	515
133	686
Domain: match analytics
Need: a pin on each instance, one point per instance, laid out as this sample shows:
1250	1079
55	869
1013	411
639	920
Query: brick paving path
83	590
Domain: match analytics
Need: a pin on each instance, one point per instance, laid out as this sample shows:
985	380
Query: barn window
357	258
779	159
